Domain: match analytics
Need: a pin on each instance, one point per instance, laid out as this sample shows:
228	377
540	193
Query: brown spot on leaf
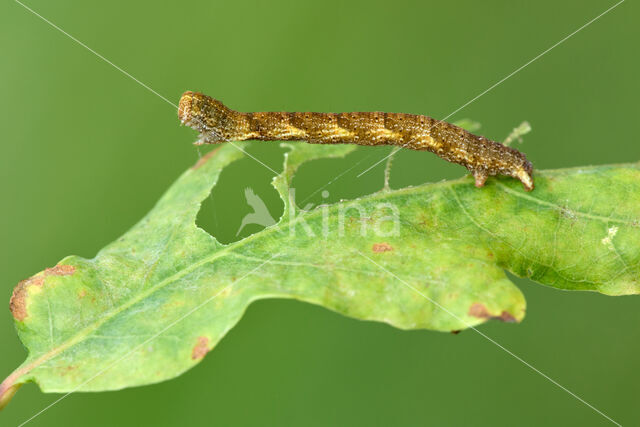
60	270
18	303
505	316
204	159
82	293
381	247
200	349
66	370
478	309
456	332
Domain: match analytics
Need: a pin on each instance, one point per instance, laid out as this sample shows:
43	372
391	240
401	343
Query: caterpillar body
481	156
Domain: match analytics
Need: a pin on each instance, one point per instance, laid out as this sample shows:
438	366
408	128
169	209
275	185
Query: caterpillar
483	157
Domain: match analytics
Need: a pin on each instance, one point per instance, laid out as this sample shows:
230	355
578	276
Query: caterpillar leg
521	174
481	177
526	179
208	139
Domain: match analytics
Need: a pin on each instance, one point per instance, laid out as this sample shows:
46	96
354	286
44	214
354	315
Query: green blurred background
86	151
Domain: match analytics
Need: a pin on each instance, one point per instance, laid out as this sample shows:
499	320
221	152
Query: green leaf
151	304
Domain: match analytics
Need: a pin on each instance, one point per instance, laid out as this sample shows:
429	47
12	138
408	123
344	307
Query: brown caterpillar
481	156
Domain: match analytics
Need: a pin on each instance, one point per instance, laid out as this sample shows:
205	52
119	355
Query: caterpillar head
206	115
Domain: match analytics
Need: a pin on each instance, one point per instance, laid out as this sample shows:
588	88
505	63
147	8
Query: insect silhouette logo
260	214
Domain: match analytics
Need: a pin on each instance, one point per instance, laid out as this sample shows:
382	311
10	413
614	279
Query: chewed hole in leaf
330	180
245	183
